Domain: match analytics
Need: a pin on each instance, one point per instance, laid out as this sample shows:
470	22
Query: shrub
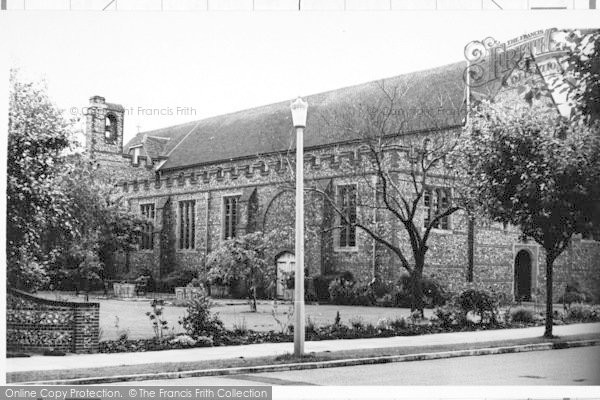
445	315
347	276
357	323
583	313
380	287
384	324
399	323
183	340
177	278
433	293
341	291
575	294
522	314
159	325
345	292
363	296
480	302
311	327
199	321
415	316
146	274
321	286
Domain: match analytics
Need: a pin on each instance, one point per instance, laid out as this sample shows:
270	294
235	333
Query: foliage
184	340
582	74
450	318
583	313
398	323
199	321
144	276
243	258
526	166
338	319
574	294
345	292
321	286
96	216
60	207
136	345
156	318
357	323
27	273
240	327
432	293
284	318
481	303
522	314
177	278
38	135
381	287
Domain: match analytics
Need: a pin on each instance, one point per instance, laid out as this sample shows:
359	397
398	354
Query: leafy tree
244	258
97	222
526	166
38	135
582	74
63	214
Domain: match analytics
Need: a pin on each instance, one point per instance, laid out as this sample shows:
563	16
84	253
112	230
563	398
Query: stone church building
202	182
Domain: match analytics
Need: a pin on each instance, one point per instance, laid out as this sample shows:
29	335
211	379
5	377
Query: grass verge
32	376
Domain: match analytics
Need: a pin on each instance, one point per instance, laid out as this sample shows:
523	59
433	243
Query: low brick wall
36	324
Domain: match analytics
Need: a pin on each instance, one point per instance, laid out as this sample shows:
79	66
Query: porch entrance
286	263
523	276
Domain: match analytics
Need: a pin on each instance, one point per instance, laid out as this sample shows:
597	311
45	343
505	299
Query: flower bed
327	332
472	311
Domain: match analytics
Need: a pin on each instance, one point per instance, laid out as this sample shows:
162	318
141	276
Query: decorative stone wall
36	324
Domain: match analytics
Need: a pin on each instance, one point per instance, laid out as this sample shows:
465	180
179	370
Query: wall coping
29	296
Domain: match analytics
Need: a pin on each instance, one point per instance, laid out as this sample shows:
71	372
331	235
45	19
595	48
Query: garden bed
329	332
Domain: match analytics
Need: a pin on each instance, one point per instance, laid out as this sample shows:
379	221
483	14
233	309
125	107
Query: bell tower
104	133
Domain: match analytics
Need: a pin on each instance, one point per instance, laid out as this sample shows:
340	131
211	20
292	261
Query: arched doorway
286	263
523	276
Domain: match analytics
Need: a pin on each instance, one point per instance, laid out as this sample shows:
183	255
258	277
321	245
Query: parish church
200	183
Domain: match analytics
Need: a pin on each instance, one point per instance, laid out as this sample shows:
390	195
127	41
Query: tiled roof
154	146
437	92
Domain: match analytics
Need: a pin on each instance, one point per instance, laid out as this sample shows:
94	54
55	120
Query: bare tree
405	179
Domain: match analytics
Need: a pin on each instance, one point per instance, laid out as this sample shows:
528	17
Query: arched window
110	129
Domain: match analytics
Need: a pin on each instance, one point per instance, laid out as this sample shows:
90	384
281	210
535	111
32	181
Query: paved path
37	363
531	368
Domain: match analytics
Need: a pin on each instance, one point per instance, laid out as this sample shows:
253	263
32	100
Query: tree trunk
549	310
417	291
253	306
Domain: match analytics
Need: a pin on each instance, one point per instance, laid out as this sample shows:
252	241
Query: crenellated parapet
318	163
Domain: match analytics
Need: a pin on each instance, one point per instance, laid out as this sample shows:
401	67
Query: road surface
577	366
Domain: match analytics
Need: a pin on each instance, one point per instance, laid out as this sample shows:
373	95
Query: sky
171	68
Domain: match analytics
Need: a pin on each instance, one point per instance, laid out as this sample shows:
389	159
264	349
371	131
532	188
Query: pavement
81	361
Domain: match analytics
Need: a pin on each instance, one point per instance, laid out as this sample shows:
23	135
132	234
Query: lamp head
299	110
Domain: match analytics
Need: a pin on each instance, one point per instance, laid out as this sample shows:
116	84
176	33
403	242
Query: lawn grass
281	359
129	316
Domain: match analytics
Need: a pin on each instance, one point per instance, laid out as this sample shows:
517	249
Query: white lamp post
299	109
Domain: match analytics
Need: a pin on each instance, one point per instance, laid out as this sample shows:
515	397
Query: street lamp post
299	109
